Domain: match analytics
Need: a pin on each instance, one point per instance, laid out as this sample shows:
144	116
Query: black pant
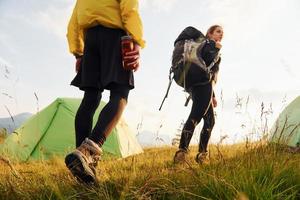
109	115
201	108
209	122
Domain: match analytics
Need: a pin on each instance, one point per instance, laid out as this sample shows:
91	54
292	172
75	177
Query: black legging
209	122
201	108
108	118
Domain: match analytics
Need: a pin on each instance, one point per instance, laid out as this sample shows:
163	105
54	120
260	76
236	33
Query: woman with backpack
200	87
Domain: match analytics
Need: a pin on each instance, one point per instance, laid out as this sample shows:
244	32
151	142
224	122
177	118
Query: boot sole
79	169
179	158
200	160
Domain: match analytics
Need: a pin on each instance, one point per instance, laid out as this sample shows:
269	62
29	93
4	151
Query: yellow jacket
109	13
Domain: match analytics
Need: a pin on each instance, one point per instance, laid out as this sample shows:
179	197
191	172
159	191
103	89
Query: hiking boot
82	161
201	157
180	156
94	165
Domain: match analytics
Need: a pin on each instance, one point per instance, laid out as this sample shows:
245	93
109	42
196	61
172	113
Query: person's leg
110	114
85	113
86	151
201	96
209	122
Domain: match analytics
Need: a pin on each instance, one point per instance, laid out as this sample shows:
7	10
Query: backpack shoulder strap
215	60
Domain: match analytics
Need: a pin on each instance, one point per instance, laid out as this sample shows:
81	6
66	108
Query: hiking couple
95	35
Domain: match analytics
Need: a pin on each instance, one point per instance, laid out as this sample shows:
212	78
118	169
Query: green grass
234	172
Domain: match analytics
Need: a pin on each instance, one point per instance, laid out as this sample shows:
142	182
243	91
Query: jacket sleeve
132	21
208	54
75	35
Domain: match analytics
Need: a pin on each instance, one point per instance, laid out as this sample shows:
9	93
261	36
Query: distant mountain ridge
12	124
148	138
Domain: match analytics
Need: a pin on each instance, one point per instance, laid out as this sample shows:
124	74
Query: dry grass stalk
14	171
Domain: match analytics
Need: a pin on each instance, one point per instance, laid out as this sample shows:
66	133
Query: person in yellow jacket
94	37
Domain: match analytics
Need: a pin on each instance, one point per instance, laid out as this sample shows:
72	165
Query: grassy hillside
234	172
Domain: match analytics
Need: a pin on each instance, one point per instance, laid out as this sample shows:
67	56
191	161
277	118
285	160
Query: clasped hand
132	58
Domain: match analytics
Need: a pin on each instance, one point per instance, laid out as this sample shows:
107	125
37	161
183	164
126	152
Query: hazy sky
259	59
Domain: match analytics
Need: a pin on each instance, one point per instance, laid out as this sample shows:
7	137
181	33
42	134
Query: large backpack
187	51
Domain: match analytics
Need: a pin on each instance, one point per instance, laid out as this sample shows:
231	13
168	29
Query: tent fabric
51	133
286	129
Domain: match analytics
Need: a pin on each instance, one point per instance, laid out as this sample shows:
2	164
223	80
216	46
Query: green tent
51	133
286	129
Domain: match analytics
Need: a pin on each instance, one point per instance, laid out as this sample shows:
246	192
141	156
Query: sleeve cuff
77	55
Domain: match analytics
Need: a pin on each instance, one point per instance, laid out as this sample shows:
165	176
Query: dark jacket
208	54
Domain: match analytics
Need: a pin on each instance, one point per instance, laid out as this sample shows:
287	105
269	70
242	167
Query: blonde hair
212	29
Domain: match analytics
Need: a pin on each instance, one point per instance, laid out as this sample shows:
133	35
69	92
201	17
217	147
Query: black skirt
102	61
